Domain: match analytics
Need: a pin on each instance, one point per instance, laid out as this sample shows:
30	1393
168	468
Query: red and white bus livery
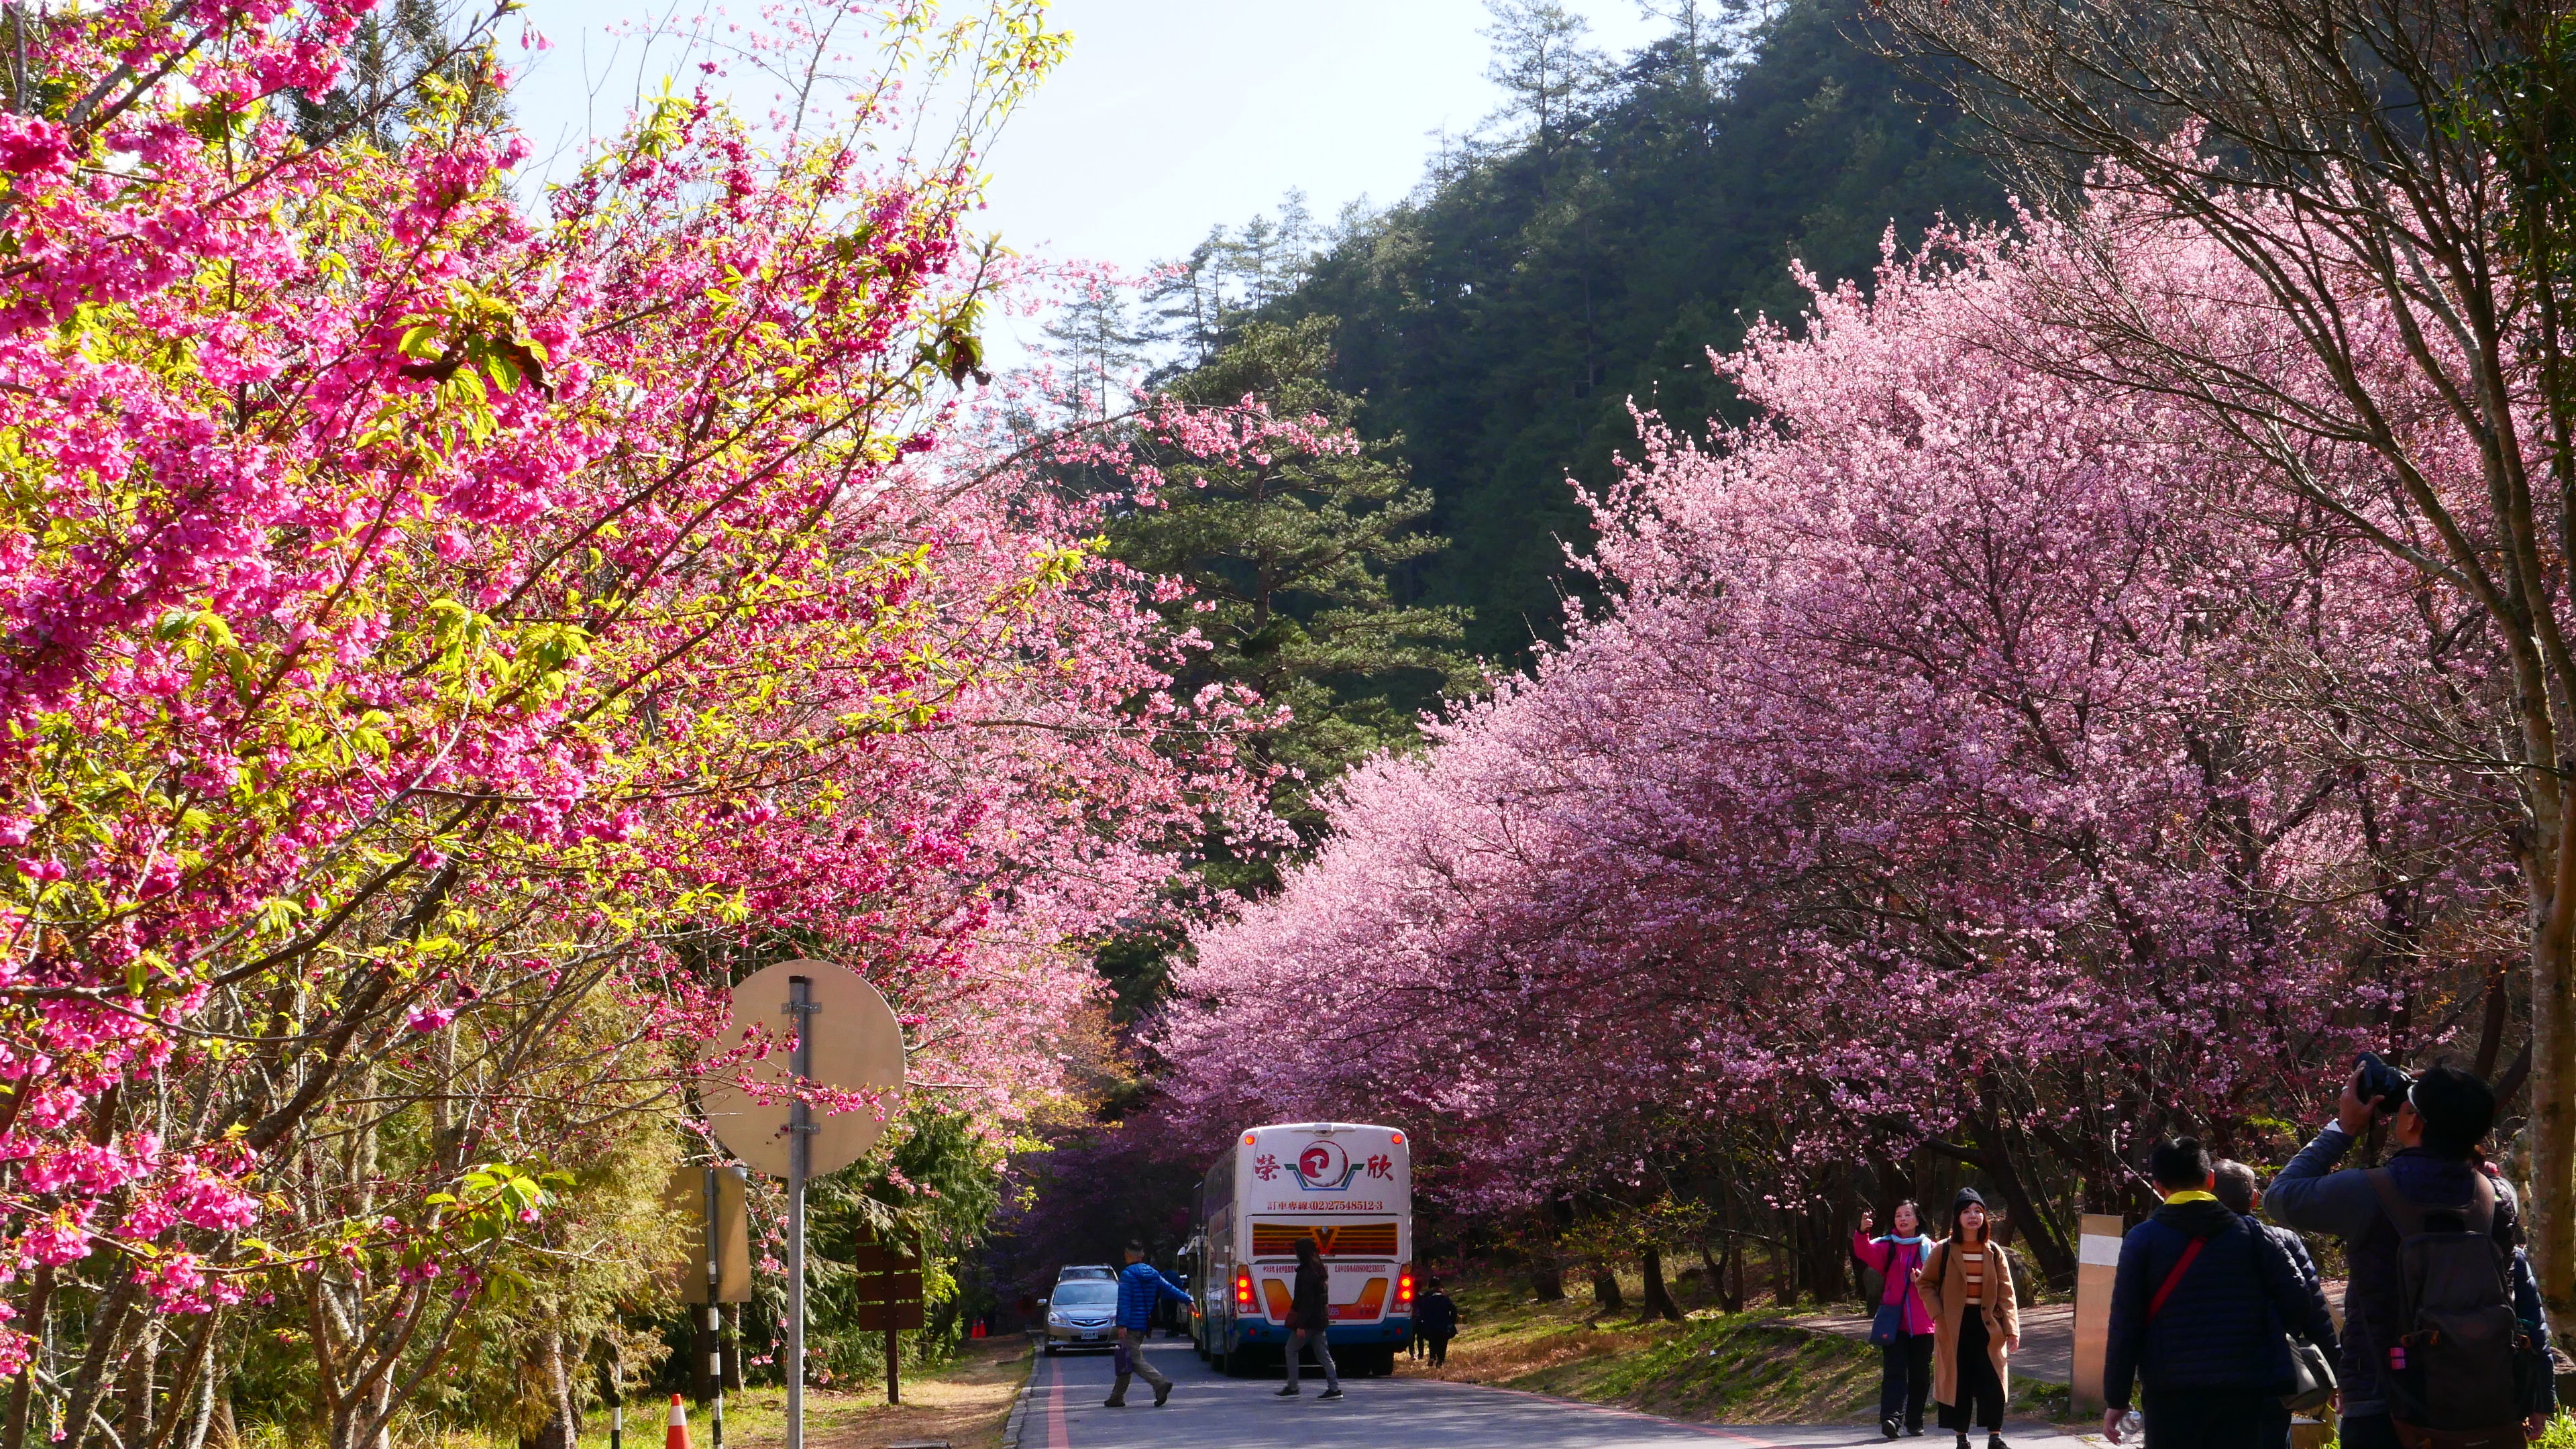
1345	1185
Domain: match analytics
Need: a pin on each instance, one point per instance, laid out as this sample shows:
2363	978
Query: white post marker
2097	1264
846	1039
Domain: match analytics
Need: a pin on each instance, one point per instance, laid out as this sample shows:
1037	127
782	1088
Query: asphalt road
1209	1411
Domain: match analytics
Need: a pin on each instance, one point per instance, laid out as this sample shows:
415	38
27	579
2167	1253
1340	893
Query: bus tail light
1404	1288
1243	1290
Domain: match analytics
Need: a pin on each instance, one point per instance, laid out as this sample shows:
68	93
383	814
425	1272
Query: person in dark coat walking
1435	1318
2197	1313
2242	1191
1310	1320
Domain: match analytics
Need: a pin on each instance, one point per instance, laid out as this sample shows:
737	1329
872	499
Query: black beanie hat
1966	1196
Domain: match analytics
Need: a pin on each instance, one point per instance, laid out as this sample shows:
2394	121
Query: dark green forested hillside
1486	337
1498	323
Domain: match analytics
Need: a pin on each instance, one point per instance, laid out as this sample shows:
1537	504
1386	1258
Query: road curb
1017	1424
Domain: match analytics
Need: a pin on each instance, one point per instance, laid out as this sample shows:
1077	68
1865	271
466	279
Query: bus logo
1324	1167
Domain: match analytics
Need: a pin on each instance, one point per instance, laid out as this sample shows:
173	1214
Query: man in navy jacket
2197	1314
2436	1130
1140	1286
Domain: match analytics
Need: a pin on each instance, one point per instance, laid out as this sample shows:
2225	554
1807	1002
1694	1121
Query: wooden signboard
2097	1263
886	1284
887	1287
687	1195
870	1258
892	1318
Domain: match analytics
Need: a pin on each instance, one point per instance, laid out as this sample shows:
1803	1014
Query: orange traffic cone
677	1436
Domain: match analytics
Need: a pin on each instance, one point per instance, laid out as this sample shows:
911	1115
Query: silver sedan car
1082	1314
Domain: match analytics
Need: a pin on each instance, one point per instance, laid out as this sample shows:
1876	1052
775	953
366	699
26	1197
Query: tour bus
1348	1187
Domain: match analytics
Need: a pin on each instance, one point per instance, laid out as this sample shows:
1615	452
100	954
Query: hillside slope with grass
1716	1367
1741	1368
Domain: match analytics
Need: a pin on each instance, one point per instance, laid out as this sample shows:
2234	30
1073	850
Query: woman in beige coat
1976	1324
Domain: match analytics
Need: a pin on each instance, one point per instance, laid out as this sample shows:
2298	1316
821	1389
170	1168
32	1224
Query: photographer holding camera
2434	1355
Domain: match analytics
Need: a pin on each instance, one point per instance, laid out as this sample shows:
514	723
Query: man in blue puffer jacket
1140	1286
2197	1314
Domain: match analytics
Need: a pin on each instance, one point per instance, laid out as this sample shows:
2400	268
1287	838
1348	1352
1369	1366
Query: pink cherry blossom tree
1962	765
444	634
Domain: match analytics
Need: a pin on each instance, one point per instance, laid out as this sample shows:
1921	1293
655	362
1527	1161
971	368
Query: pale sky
1170	115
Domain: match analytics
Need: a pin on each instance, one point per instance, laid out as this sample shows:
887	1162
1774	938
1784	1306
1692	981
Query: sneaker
1113	1403
1887	1428
1287	1391
1162	1395
1333	1392
1996	1441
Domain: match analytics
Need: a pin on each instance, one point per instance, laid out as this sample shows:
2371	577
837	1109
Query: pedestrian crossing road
1209	1411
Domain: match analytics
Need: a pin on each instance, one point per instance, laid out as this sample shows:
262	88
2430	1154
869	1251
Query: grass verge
1733	1368
1742	1368
964	1403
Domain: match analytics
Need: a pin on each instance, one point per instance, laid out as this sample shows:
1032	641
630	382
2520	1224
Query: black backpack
2455	1370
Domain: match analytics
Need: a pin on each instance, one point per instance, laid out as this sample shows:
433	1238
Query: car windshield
1086	1295
1070	1274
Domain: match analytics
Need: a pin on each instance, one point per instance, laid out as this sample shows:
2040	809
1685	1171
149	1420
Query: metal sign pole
800	1133
894	1345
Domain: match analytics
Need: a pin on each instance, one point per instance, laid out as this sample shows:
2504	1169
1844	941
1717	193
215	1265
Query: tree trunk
1547	1270
1606	1297
1784	1263
1658	1299
201	1422
1827	1253
2056	1263
1547	1281
135	1427
1734	1300
2553	1115
562	1429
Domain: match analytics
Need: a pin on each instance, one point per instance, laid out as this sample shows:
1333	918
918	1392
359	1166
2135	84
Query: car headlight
1055	1320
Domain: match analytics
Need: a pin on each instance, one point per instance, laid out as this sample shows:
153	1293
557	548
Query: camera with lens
2382	1086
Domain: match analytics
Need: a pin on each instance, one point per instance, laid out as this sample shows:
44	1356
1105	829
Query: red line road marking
1058	1437
1700	1429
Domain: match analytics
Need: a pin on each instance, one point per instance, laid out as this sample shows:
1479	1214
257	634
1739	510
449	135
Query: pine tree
1540	58
1289	562
1294	556
395	57
1100	351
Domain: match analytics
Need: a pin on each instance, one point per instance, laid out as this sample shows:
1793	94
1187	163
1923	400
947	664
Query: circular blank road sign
858	1046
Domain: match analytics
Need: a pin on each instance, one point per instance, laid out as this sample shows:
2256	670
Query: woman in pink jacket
1903	1328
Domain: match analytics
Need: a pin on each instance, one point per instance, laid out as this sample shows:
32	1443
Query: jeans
2208	1418
2366	1431
1298	1338
1905	1379
1131	1351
